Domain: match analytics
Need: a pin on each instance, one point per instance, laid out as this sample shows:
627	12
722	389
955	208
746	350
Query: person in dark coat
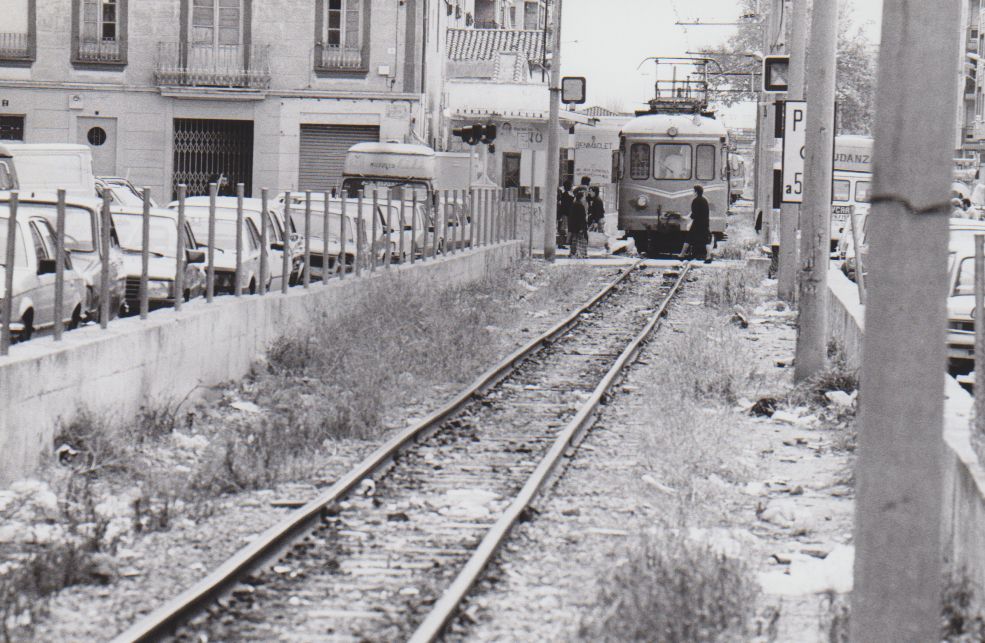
699	234
564	200
596	210
578	223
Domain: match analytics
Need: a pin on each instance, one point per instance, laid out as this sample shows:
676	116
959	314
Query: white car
162	263
197	217
83	238
197	210
33	294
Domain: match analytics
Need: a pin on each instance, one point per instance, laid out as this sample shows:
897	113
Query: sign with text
593	158
794	139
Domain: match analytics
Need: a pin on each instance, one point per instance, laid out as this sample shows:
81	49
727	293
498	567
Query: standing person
578	223
564	201
596	210
699	234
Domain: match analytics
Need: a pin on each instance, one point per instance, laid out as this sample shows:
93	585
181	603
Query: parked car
83	238
197	216
334	246
33	294
162	263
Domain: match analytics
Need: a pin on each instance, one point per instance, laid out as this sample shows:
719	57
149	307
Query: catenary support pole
549	192
979	335
790	212
815	227
898	472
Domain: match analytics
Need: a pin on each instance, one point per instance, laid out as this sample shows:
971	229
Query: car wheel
76	319
28	330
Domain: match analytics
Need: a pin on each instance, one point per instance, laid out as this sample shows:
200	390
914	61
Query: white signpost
794	138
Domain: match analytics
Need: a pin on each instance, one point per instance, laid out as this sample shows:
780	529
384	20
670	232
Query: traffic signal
475	134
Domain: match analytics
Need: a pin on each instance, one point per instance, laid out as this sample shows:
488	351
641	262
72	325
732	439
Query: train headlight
642	202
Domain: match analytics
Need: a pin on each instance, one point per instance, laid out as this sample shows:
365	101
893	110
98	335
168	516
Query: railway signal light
573	90
776	72
475	134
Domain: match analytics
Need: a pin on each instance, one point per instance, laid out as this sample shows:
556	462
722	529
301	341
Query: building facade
185	91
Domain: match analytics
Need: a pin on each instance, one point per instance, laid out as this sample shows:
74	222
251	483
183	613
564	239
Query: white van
851	183
40	169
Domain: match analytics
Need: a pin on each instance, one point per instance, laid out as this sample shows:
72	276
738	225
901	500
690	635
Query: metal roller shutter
323	149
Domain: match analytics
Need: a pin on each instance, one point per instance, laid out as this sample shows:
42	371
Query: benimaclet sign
794	139
593	158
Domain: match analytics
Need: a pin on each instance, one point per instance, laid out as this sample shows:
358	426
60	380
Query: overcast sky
605	40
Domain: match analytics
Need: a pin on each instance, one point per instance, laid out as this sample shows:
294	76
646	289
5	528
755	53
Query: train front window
705	163
841	190
672	161
639	161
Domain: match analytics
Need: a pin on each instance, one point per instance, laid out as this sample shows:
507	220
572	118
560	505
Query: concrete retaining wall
963	519
134	363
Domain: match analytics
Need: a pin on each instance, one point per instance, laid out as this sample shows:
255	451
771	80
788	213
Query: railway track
389	551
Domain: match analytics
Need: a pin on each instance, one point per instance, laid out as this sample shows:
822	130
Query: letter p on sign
794	138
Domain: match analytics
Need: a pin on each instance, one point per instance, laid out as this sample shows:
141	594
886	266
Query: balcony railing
99	51
14	46
228	66
335	58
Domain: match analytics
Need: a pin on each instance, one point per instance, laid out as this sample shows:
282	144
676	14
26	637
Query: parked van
851	183
42	168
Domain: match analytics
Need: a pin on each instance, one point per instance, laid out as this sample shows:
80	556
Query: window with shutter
17	30
100	31
339	39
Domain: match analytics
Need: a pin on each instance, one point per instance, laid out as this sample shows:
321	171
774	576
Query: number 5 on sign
794	138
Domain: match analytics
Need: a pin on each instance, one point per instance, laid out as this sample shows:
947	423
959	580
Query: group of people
579	211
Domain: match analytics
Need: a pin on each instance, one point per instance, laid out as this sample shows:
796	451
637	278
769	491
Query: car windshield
163	234
79	229
225	231
127	195
20	258
965	283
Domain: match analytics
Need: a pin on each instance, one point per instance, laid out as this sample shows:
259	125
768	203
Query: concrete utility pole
815	226
790	212
549	193
899	469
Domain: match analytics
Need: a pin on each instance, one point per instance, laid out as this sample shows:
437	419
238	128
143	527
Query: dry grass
725	289
391	348
708	364
675	591
962	616
736	249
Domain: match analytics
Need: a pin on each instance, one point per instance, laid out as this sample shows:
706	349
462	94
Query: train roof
687	126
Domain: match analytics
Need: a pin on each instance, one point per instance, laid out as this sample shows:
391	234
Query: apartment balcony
333	58
100	52
222	67
15	47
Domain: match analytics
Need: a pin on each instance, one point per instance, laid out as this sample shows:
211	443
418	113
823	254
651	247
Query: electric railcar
663	156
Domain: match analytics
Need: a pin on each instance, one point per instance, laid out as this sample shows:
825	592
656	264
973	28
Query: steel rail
446	607
164	620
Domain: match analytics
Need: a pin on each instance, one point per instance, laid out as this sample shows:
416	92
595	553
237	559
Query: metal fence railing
14	46
295	239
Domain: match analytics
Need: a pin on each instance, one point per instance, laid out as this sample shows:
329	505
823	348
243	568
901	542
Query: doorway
100	135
